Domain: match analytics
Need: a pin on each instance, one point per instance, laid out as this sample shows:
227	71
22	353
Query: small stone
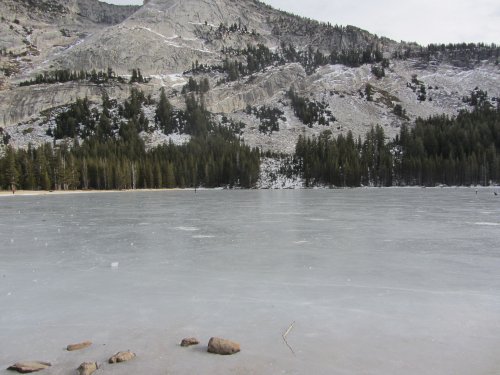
87	368
79	346
189	341
27	367
222	346
122	357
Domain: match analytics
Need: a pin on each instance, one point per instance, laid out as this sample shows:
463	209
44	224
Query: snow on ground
342	88
149	113
170	80
168	40
204	24
271	178
33	132
158	138
336	85
284	140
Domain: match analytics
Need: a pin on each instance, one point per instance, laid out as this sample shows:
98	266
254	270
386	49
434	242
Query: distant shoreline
7	193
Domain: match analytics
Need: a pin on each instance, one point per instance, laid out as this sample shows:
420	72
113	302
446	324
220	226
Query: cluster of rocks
216	345
86	368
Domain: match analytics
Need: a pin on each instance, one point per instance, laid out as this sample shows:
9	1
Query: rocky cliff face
33	32
57	10
163	36
104	13
167	36
28	102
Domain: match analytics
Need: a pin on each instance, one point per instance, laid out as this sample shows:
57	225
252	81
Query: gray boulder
222	346
29	366
122	357
87	368
79	346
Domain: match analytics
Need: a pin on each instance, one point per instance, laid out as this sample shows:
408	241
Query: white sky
423	21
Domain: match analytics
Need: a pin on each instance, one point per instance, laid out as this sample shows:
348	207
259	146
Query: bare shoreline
8	193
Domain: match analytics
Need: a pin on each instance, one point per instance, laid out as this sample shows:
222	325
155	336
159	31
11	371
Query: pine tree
106	103
28	180
41	170
11	170
134	76
369	92
104	129
163	114
170	176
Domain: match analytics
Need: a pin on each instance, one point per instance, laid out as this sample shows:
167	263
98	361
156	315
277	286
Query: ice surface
377	281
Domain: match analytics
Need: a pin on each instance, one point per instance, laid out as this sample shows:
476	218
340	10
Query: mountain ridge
251	55
168	27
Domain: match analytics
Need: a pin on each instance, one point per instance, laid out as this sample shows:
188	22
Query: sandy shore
7	193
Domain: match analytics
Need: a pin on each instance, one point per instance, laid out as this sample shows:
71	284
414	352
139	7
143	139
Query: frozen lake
377	281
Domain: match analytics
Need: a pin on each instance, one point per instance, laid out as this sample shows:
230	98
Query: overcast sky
423	21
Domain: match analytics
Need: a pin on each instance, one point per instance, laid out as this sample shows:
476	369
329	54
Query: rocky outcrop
325	37
91	10
32	32
122	357
262	88
28	367
101	12
337	86
20	103
48	9
220	346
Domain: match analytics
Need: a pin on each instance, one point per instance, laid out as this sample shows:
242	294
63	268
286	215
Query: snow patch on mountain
158	138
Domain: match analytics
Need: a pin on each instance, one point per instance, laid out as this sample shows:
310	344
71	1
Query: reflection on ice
188	229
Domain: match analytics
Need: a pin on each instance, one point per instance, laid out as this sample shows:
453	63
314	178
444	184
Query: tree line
66	75
459	54
94	76
252	59
99	152
211	161
463	150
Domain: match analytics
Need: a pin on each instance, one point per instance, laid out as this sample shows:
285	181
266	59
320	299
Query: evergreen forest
104	150
98	152
464	150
